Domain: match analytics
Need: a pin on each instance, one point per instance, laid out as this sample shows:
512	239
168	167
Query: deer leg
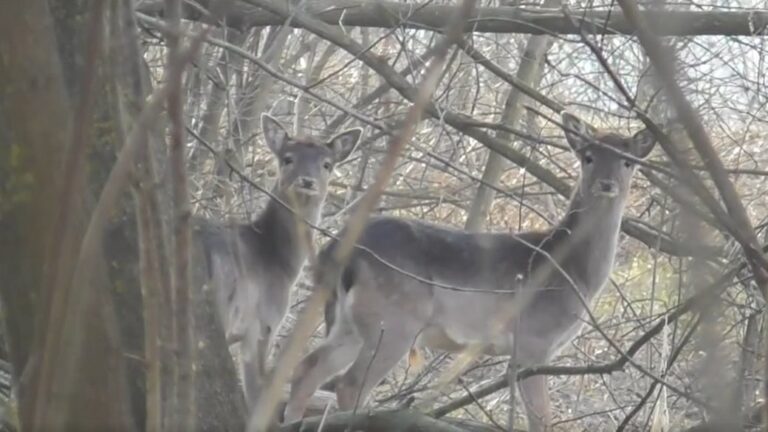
262	350
535	395
327	360
254	351
379	354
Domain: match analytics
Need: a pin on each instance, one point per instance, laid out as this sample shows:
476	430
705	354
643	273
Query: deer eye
287	160
327	165
587	158
628	164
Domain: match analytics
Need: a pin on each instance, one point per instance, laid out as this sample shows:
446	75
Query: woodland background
120	119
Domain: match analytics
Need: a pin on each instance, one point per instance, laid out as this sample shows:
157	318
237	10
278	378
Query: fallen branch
384	421
390	14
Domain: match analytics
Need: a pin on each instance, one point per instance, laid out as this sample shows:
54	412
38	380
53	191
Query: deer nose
306	182
607	186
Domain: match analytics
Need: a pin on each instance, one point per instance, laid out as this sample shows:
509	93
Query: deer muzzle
305	186
605	188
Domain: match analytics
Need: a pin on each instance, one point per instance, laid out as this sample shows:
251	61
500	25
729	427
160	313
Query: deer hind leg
380	353
535	395
330	358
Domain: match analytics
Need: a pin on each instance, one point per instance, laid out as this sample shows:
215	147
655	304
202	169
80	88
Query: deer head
306	164
605	174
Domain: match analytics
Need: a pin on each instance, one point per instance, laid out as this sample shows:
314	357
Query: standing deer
253	266
411	283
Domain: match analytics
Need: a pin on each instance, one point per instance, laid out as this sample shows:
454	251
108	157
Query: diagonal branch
471	127
289	358
460	122
663	60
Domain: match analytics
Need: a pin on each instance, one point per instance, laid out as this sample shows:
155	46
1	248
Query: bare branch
183	382
384	421
389	14
663	61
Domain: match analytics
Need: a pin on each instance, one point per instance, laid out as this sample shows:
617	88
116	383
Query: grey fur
253	266
378	312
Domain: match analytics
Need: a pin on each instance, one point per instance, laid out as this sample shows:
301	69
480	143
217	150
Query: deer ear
577	132
642	143
343	144
275	134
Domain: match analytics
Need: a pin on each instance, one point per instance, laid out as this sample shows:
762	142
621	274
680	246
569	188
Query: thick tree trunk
76	379
220	402
39	89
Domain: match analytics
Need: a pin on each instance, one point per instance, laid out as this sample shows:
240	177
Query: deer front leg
535	396
377	356
263	348
327	360
255	350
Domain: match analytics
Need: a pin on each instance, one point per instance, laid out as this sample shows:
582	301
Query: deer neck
591	228
283	233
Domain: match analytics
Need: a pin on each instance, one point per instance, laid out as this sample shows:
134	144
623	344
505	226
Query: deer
411	284
253	266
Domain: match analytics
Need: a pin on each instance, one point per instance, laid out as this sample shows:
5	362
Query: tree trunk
529	72
76	379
